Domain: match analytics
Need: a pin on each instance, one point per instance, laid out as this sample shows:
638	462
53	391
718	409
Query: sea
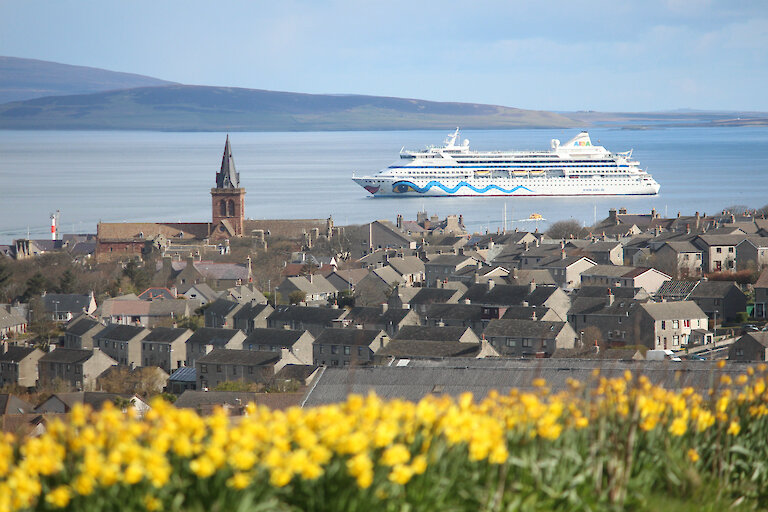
123	176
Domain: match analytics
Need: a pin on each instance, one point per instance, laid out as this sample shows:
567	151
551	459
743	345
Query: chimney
5	347
287	327
622	211
562	254
399	221
208	349
461	220
284	353
174	291
532	286
653	213
477	278
359	326
491	283
612	216
384	307
533	314
441	323
697	221
525	245
688	228
524	304
466	301
733	218
609	298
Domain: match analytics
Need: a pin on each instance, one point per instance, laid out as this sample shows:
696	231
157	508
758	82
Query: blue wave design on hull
405	185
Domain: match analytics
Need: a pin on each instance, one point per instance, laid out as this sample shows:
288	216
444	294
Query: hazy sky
541	54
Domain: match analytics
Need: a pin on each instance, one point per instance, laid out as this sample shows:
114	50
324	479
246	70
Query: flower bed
603	447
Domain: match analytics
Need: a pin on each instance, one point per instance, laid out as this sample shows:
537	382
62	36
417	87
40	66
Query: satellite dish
466	143
555	143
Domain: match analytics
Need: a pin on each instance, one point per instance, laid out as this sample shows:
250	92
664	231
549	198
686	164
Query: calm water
148	176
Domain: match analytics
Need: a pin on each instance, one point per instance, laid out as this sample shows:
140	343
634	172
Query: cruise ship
576	168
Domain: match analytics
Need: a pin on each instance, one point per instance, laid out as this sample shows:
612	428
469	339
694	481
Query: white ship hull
383	187
576	168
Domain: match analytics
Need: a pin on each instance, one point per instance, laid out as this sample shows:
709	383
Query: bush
742	317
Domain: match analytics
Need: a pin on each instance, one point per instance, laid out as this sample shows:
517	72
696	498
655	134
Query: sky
605	55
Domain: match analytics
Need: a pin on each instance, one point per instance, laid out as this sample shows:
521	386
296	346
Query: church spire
227	177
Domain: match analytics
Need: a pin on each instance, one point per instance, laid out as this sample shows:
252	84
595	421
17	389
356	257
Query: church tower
228	199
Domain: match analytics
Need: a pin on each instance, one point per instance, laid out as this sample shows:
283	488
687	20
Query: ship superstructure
572	169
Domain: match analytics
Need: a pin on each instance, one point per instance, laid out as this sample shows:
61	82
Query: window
676	340
234	369
250	370
346	350
739	351
511	342
359	351
675	324
320	349
686	323
527	342
335	362
663	324
730	249
334	349
719	250
218	368
203	368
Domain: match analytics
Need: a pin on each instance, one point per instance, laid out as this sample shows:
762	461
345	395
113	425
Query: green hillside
199	108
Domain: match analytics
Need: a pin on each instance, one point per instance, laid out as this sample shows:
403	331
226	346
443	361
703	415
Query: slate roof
221	307
388	275
316	286
68	302
250	311
421	348
208	293
714	240
119	332
523	328
205	399
423	377
407	265
373	315
451	260
15	354
599	305
96	399
299	372
566	262
81	325
713	289
281	337
355	337
762	281
66	355
432	296
466	312
245	357
682	247
426	333
524	312
673	310
165	334
10	404
184	374
619	292
305	314
213	336
608	270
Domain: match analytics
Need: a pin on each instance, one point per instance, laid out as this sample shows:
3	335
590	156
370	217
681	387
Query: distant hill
23	79
679	117
199	108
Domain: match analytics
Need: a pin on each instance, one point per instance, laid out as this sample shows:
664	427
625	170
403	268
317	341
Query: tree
67	282
41	322
567	229
142	381
139	275
36	285
236	385
191	322
297	296
5	278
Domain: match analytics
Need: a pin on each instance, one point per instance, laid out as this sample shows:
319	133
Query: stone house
251	366
202	292
64	306
720	300
761	295
649	279
348	347
165	347
442	266
316	288
77	367
18	365
11	322
752	253
435	350
679	259
567	270
605	253
252	316
346	280
79	332
206	339
298	343
220	313
750	347
528	337
377	286
474	316
122	343
312	319
410	268
668	325
381	318
719	251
